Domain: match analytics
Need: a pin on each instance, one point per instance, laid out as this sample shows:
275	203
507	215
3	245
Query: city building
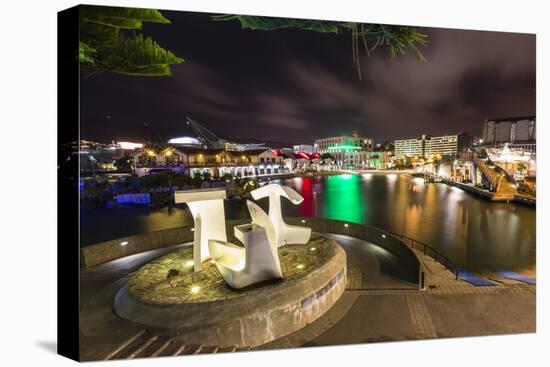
237	147
382	157
348	151
433	146
307	148
410	147
517	162
151	160
517	132
214	162
98	158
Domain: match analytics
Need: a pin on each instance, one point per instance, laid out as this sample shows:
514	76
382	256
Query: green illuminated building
349	151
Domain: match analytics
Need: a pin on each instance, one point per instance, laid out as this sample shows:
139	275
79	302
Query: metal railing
378	236
431	252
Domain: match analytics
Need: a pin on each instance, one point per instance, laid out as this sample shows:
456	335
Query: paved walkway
379	304
372	267
447	308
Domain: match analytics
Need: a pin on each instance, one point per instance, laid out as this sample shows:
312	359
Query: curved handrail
368	233
436	255
114	249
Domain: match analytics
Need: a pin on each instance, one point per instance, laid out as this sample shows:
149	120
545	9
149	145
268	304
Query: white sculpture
284	233
254	262
256	259
208	214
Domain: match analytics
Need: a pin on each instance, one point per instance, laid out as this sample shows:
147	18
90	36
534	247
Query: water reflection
473	232
343	198
307	208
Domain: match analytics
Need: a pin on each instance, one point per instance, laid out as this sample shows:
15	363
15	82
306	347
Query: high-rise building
428	147
349	151
410	147
446	145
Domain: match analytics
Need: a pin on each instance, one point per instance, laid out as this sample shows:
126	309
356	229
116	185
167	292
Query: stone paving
420	316
316	328
446	308
355	276
169	279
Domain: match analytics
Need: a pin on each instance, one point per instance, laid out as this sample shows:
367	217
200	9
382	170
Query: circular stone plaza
349	283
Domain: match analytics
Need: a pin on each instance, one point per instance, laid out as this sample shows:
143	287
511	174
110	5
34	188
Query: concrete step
188	349
227	349
170	349
124	345
142	347
161	346
208	349
243	349
158	346
144	344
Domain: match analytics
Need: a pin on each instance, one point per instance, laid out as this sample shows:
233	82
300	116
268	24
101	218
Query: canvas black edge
68	252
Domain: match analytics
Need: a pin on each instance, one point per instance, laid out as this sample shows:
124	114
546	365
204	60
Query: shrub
196	181
181	180
226	177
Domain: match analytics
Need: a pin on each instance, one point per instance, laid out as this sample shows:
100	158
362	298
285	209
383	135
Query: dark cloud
294	86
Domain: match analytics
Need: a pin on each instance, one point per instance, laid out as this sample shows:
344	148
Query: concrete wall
121	247
257	317
367	233
111	250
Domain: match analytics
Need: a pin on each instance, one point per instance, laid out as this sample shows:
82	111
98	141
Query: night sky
294	86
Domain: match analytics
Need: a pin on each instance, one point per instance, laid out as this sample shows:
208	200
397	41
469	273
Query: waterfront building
307	148
445	145
155	159
214	162
348	151
517	132
518	163
410	147
237	147
98	158
433	146
270	162
381	159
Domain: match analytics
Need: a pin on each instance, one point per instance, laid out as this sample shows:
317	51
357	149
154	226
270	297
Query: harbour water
474	233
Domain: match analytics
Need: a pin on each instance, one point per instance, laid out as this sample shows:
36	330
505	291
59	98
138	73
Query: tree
109	41
124	164
226	177
243	186
196	181
395	39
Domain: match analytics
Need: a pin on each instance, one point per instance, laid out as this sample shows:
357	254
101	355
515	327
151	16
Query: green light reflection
344	198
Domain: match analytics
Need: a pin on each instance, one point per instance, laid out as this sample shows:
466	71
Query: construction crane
210	139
